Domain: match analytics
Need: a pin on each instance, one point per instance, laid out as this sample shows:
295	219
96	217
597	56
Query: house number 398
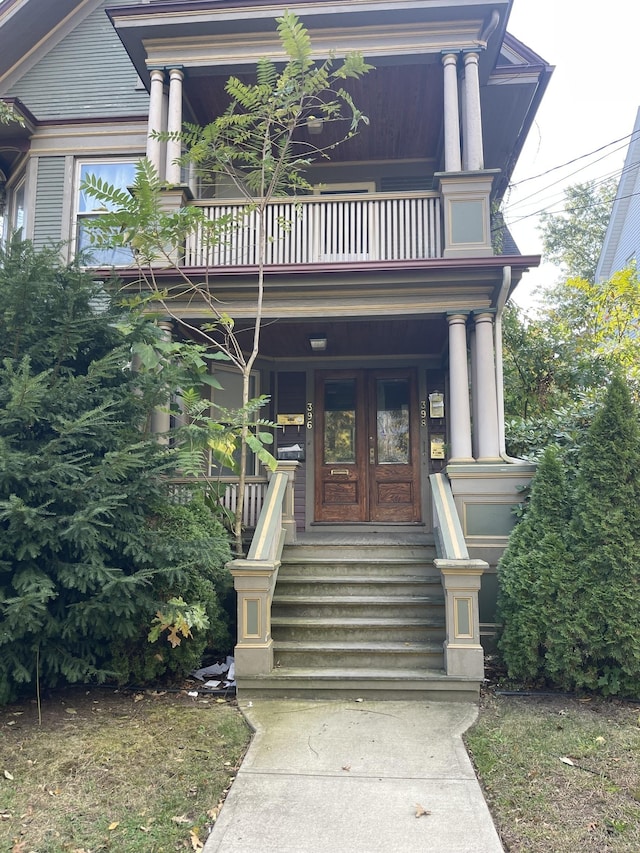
423	413
309	415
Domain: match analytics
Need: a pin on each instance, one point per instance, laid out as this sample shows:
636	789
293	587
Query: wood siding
47	227
88	74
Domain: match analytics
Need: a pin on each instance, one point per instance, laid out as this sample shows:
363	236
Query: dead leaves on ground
421	811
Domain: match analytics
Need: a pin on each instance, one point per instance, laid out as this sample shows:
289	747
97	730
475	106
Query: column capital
176	72
457	316
453	52
470	52
479	312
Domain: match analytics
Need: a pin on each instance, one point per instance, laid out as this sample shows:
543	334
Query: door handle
339	471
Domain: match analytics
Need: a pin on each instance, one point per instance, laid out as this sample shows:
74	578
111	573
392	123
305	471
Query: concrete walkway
344	776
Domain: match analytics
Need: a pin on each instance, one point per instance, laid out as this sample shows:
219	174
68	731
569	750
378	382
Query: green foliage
530	572
570	580
573	239
80	565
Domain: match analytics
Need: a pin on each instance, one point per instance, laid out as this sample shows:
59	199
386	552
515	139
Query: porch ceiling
282	339
404	105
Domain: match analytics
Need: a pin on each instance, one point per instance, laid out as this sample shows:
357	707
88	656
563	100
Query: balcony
325	229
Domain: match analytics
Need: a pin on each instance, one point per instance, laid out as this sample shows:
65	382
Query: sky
592	100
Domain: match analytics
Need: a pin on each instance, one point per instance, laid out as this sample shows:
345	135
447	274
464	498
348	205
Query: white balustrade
317	229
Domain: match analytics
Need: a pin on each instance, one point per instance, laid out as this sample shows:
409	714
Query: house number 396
309	415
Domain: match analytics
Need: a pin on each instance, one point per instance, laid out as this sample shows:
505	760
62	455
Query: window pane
393	421
121	175
120	256
340	421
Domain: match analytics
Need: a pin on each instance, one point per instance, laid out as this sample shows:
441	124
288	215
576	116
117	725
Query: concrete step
312	683
341	566
357	655
351	629
356	605
370	585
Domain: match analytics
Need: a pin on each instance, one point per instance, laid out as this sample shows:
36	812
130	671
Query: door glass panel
392	419
339	421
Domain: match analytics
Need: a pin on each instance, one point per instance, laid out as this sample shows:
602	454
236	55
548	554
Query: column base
461	460
465	661
254	660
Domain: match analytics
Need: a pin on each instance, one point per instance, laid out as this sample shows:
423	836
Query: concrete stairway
358	620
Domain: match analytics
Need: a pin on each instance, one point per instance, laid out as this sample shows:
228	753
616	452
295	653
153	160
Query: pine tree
601	648
532	571
81	566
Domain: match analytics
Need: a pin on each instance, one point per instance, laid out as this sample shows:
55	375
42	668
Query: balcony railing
324	229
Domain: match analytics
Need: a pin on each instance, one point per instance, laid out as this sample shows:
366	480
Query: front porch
338	613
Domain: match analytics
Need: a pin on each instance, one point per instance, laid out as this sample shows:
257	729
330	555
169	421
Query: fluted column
155	125
174	125
452	159
474	156
488	437
459	412
161	417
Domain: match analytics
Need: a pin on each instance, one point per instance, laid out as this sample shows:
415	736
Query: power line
577	159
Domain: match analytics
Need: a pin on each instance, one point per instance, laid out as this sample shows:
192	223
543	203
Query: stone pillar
452	159
161	417
459	412
461	580
474	156
156	97
488	436
174	125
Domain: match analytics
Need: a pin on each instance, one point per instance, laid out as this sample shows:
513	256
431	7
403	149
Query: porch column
473	152
156	97
161	417
452	160
460	418
174	125
473	351
488	436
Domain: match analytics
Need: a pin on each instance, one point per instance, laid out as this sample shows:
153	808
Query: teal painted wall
87	75
47	225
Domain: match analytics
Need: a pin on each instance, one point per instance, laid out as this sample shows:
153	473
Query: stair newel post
254	580
463	653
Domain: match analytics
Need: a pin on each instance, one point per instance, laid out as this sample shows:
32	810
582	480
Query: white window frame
79	215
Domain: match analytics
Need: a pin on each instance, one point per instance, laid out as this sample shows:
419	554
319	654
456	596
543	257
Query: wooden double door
367	447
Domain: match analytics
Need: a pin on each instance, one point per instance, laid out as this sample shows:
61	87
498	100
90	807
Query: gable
86	75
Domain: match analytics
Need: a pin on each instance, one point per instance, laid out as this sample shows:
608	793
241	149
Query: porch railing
254	492
461	579
321	229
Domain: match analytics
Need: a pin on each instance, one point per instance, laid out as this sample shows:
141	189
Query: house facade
381	346
621	246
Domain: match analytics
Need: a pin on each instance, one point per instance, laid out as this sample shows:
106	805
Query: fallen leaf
19	847
138	697
346	767
196	844
11	723
114	825
5	815
421	811
71	710
591	827
8	775
600	739
212	814
180	819
566	760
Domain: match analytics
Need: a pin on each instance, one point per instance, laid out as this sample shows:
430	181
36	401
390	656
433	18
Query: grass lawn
116	771
560	774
